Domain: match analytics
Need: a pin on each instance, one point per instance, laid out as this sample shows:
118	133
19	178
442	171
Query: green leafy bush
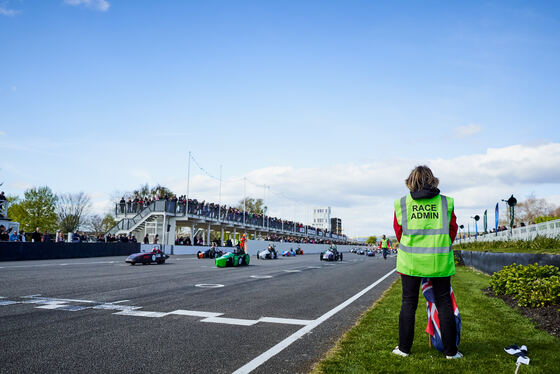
545	219
530	285
540	244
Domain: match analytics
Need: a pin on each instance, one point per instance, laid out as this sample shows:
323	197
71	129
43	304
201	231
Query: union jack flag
432	327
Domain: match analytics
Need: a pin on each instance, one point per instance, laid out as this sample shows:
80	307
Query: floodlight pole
188	185
244	198
220	198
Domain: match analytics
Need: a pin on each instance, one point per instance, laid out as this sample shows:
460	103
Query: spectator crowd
182	205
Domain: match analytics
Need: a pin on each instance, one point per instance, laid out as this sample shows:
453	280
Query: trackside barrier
549	229
490	262
45	251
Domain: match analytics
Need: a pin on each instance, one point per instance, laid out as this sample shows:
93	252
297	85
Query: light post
476	218
511	202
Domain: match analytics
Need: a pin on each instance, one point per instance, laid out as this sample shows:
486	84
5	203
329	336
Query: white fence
549	229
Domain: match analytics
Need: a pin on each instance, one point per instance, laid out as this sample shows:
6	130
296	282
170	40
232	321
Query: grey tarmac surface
40	333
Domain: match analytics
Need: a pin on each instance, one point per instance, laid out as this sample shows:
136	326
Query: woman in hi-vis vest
425	225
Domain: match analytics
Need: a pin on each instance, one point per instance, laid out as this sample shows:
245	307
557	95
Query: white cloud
362	195
8	12
100	5
20	185
468	130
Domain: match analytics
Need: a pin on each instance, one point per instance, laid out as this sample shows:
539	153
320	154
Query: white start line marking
261	276
133	311
262	358
209	285
292	271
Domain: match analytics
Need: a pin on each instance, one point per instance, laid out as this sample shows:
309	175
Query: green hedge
545	219
530	285
540	244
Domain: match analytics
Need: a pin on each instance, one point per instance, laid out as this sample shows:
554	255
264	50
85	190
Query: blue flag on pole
497	214
475	230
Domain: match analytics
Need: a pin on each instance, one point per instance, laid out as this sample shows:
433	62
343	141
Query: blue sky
329	103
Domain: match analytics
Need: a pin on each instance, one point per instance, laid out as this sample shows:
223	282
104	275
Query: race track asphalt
39	332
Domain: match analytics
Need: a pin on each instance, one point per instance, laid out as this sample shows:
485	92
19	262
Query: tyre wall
490	262
47	251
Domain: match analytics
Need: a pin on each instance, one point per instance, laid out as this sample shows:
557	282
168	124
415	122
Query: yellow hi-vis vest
384	243
425	246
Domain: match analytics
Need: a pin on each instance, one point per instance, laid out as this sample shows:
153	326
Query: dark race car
268	254
145	258
331	254
237	258
361	251
299	251
370	253
210	253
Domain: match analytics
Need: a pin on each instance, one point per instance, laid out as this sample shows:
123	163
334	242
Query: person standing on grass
426	226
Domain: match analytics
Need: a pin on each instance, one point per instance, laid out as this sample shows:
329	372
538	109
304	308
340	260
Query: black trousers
410	293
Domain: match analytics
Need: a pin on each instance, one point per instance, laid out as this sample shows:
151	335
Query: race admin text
425	212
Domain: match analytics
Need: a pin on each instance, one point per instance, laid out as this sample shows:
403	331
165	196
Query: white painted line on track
118	302
195	313
46	303
209	285
139	313
292	271
111	306
231	321
313	267
8	302
36	299
261	276
265	356
286	321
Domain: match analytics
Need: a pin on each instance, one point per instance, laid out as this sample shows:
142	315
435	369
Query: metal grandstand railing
174	208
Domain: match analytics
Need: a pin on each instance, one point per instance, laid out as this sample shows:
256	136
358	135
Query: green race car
233	259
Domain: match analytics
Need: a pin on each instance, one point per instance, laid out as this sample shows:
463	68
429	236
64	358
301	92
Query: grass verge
540	244
489	325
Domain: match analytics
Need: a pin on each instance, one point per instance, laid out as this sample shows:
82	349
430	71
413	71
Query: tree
37	209
143	190
254	206
527	211
372	240
158	190
100	225
71	210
